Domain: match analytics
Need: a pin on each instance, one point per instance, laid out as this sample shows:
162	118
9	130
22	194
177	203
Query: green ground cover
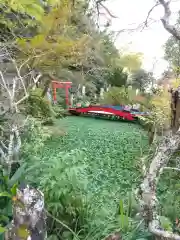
85	173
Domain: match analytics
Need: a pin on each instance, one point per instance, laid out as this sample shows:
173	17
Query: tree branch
161	233
107	10
149	13
166	18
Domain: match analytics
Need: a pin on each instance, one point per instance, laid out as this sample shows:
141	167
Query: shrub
117	77
33	138
124	96
64	182
160	109
40	107
37	105
117	96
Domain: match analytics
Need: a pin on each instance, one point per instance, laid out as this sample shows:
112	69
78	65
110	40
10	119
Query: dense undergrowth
86	174
169	197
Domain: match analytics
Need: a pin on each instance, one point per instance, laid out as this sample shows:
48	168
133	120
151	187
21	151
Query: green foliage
124	217
131	61
64	38
119	96
21	18
33	138
8	189
53	41
39	107
19	15
168	194
172	50
141	79
85	173
159	106
64	186
165	223
117	77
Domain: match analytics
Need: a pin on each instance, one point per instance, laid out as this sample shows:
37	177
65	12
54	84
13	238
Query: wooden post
175	109
54	92
67	95
65	85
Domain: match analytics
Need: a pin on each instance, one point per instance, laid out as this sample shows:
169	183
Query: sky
132	13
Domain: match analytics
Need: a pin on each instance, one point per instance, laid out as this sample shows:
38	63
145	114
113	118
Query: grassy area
88	171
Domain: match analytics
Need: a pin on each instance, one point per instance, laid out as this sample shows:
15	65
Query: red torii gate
65	85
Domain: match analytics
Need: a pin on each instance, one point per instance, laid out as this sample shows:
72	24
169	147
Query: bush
38	106
64	182
60	177
122	96
116	96
160	109
117	77
33	138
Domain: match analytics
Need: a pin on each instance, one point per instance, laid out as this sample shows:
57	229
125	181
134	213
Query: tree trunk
147	190
29	219
175	110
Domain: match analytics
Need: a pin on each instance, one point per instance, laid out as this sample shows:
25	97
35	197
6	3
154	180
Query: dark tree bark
175	109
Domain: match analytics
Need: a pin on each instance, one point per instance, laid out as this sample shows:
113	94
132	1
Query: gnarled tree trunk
147	190
29	218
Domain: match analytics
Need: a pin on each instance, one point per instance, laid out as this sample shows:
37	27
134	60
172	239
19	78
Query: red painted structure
124	115
64	85
107	111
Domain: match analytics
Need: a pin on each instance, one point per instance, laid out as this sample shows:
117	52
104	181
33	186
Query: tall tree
131	61
141	79
164	152
117	77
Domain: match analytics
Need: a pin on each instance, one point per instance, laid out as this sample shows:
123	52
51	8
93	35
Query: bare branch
5	86
107	10
160	233
149	13
26	96
20	77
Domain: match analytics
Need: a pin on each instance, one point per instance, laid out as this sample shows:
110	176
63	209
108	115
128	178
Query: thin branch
4	146
149	13
26	96
20	77
5	86
107	10
2	155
